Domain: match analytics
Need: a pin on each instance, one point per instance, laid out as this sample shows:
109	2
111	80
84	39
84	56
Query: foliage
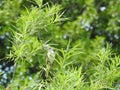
51	52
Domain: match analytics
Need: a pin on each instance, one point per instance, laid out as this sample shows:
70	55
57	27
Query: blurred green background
91	23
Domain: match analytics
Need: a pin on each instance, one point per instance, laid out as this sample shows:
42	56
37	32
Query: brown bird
8	88
50	57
